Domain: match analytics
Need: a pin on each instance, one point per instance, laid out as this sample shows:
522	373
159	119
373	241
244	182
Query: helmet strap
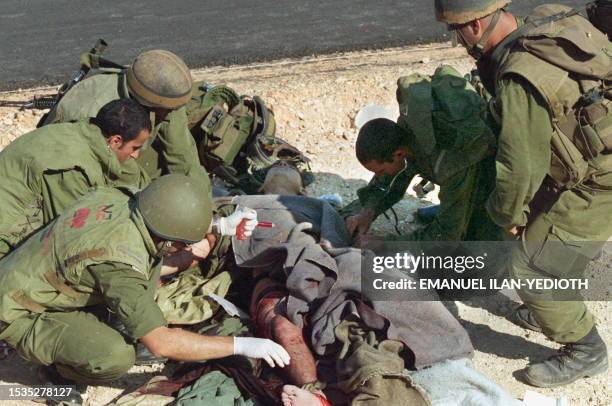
476	51
163	247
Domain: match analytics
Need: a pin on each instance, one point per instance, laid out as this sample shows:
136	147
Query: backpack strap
502	49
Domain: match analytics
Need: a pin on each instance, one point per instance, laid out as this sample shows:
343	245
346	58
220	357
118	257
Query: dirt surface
315	102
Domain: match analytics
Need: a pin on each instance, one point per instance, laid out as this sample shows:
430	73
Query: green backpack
236	137
446	120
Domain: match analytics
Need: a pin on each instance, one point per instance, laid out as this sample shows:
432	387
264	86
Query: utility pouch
596	126
568	166
581	136
225	133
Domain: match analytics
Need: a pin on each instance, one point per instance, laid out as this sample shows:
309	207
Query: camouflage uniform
46	170
98	251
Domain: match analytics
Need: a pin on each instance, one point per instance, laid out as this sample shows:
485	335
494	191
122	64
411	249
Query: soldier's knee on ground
82	347
115	359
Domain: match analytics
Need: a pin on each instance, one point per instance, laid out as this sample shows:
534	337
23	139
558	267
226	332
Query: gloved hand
227	226
262	348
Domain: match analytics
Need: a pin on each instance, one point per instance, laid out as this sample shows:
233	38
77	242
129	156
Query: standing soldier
161	82
549	76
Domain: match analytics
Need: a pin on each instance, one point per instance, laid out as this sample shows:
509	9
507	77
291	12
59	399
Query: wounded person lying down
300	282
344	346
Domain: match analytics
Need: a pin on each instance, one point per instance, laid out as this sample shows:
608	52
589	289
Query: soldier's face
468	35
388	168
129	149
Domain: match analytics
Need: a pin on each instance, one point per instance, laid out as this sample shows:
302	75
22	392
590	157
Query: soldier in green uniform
549	77
459	158
109	248
161	82
46	170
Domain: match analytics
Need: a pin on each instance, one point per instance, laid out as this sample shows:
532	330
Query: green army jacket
530	96
172	149
45	171
48	272
462	193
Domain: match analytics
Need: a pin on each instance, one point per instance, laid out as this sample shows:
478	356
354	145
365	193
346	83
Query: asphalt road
41	39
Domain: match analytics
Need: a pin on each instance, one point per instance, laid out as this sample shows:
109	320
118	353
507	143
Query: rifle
49	101
37	103
95	52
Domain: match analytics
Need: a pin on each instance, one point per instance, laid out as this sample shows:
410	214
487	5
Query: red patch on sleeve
79	218
104	212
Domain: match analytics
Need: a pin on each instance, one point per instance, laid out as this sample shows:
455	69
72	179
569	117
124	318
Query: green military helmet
457	12
160	79
176	208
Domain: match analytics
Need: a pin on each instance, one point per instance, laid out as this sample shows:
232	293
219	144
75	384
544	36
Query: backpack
236	137
446	120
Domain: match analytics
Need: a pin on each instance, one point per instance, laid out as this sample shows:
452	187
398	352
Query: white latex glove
271	352
227	225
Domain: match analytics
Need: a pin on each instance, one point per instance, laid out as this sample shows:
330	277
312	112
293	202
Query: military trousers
558	244
82	347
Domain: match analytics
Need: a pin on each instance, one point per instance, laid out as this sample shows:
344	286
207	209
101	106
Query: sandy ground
315	101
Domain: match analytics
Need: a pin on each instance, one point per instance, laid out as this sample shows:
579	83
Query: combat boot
524	317
48	376
584	358
146	357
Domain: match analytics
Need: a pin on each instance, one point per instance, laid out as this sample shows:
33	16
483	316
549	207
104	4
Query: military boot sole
599	368
48	376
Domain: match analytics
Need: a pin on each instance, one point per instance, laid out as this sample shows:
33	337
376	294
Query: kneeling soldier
109	248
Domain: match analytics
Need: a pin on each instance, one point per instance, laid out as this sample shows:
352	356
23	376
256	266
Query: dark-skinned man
547	75
45	171
109	248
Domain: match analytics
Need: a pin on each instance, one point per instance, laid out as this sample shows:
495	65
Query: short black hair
378	139
123	117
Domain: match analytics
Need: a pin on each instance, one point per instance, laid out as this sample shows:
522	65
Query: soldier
45	171
547	75
108	248
383	148
161	82
395	153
